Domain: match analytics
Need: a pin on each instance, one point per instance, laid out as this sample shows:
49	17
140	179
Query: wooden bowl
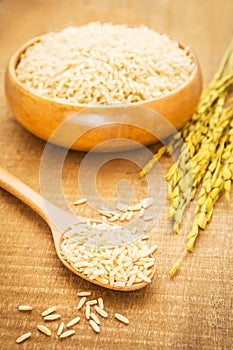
82	127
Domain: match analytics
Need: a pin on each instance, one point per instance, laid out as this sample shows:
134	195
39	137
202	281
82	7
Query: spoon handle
14	186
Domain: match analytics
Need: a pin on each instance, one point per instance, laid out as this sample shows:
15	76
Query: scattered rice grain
121	318
142	212
129	216
95	326
105	213
80	201
144	237
100	311
147	204
23	337
123	216
121	207
44	329
52	317
88	311
147	217
49	311
95	318
73	322
85	293
60	328
114	218
135	207
67	333
81	302
103	218
25	308
91	302
101	303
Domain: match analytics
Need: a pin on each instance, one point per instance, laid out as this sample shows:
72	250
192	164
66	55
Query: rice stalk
205	160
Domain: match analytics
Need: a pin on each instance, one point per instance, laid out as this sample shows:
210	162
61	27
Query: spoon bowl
20	190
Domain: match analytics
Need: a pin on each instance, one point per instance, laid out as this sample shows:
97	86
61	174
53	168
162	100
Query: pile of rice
104	64
109	254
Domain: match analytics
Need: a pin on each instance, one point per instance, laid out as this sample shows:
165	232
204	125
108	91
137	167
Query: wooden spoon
17	188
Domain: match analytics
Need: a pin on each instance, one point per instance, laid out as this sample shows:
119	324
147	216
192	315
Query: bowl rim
14	59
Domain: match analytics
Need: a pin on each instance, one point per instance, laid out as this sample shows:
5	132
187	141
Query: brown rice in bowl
104	64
